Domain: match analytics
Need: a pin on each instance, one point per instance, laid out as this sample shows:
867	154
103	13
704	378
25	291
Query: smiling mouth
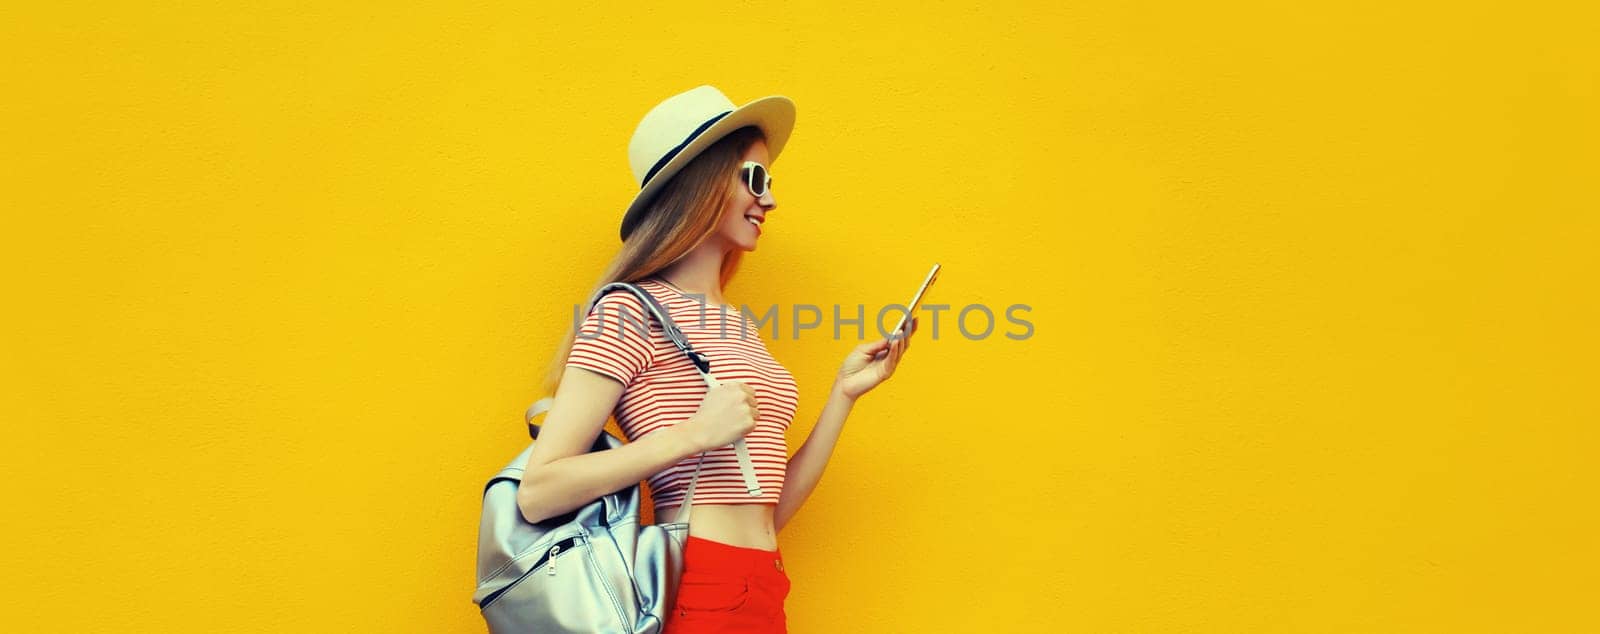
755	221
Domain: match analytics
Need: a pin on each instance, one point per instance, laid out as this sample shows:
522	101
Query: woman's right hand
728	413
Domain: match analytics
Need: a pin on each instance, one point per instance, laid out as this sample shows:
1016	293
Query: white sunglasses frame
749	178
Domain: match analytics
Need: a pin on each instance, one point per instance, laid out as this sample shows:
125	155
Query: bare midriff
744	525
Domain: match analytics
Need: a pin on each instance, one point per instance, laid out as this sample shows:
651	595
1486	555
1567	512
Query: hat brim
774	114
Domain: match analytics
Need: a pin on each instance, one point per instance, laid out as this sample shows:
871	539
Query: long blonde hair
677	220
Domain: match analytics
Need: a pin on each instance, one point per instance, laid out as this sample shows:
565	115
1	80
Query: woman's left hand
872	363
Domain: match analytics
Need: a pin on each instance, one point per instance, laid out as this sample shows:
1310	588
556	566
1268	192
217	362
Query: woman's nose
766	201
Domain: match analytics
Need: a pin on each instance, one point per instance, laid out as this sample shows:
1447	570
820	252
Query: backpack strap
702	364
674	334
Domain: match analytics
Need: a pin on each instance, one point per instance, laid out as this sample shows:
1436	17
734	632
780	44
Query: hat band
667	158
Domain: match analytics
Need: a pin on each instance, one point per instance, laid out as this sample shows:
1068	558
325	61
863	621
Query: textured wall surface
1312	292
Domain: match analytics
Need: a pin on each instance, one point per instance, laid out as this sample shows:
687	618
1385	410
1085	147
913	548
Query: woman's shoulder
688	312
622	301
623	298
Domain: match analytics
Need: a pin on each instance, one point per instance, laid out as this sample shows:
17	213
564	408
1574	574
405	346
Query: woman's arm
806	466
562	474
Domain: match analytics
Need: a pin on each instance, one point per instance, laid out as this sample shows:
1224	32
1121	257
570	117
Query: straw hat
677	129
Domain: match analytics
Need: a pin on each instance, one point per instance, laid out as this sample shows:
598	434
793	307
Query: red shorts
727	588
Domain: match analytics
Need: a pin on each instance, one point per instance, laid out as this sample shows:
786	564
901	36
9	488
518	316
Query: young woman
705	199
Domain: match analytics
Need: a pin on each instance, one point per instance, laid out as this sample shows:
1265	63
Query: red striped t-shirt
662	388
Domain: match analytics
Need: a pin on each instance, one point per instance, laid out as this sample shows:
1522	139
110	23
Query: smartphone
916	301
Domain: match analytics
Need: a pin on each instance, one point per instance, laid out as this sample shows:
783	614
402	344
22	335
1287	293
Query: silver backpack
595	568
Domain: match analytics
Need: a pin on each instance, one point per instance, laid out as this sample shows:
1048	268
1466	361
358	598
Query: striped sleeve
614	339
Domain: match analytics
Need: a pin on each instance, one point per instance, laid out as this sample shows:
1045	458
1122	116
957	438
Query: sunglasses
756	178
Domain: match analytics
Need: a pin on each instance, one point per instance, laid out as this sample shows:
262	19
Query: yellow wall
1313	290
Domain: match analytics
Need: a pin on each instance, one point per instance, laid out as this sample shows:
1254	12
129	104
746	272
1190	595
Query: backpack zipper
548	557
